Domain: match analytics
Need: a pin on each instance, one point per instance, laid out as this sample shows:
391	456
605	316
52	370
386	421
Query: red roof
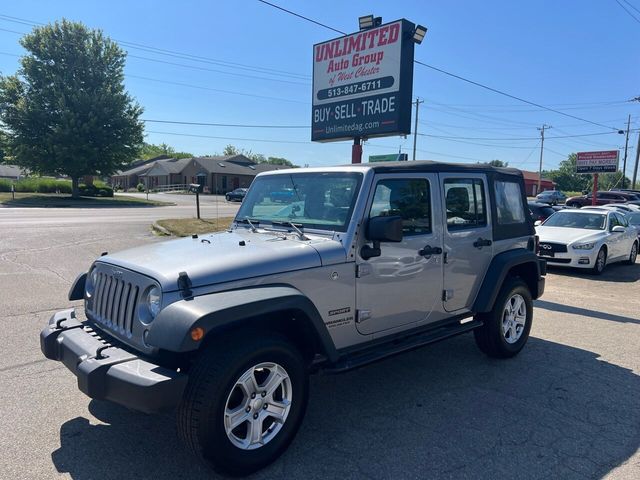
533	176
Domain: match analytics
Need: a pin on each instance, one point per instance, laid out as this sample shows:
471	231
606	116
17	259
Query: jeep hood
568	236
225	257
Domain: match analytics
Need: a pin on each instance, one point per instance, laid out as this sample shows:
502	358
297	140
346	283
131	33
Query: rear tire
506	327
218	397
634	254
601	262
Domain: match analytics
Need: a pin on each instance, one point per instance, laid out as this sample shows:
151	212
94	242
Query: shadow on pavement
441	412
559	307
616	272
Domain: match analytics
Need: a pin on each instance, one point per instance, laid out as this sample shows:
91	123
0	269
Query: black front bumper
107	372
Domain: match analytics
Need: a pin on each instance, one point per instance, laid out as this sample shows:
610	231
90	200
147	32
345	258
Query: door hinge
362	315
447	295
362	270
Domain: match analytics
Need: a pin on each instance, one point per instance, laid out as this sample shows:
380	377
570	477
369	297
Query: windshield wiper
301	235
251	223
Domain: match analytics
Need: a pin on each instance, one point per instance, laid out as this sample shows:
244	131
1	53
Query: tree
149	150
498	163
566	177
66	110
231	150
279	161
3	146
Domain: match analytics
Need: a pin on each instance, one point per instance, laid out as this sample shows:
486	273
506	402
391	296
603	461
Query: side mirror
537	223
385	229
381	229
618	229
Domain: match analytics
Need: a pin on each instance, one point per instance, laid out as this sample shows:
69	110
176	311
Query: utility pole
415	128
635	169
544	127
624	162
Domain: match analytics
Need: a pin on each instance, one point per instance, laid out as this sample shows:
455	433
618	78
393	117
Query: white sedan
587	238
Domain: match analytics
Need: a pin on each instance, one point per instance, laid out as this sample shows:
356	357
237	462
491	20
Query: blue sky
576	56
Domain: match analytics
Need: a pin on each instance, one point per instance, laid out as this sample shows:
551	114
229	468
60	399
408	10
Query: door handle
482	242
429	250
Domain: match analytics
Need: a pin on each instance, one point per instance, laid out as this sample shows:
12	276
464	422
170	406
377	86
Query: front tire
506	327
634	254
601	262
244	402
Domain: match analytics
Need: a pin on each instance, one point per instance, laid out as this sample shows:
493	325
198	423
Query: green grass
57	201
183	227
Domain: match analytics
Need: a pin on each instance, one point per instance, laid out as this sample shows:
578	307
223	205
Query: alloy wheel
514	317
257	406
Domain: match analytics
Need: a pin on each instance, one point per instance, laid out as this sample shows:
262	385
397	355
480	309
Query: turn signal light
197	334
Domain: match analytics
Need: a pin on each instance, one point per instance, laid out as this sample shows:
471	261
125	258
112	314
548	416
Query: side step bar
400	345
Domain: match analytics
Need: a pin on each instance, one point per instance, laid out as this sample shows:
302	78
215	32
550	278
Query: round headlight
90	282
154	300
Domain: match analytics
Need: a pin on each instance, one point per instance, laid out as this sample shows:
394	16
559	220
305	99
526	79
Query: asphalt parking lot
567	407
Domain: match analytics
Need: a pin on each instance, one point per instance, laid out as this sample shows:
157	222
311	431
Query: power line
515	139
200	87
194	67
224	124
453	75
628	12
302	17
227	138
500	92
172	53
631	5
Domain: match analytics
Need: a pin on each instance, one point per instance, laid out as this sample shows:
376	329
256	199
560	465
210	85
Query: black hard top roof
431	166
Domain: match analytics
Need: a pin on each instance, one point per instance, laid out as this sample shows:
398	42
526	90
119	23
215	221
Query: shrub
5	185
140	187
43	185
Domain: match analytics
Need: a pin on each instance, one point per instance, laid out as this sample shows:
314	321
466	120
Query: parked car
587	238
552	197
634	220
624	207
632	198
602	198
540	211
236	195
626	190
379	259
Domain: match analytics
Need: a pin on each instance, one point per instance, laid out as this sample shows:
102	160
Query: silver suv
353	265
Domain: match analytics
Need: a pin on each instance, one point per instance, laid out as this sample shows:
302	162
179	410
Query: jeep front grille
115	303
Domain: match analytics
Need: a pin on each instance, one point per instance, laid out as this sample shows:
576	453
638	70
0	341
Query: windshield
322	201
634	218
588	221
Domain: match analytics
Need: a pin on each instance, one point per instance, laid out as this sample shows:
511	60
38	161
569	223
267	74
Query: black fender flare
498	270
171	330
76	292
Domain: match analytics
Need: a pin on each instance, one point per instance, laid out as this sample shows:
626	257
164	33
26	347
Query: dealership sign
362	84
597	162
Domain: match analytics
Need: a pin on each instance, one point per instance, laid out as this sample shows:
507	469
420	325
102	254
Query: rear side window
465	203
409	198
509	203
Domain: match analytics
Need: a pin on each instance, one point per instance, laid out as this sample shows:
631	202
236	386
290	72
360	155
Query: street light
418	34
369	21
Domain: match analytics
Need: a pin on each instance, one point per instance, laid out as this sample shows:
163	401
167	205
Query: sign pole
595	190
356	151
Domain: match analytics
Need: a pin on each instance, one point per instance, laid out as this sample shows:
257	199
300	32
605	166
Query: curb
160	229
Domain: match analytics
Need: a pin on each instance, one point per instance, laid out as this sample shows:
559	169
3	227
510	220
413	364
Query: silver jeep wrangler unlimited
323	270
